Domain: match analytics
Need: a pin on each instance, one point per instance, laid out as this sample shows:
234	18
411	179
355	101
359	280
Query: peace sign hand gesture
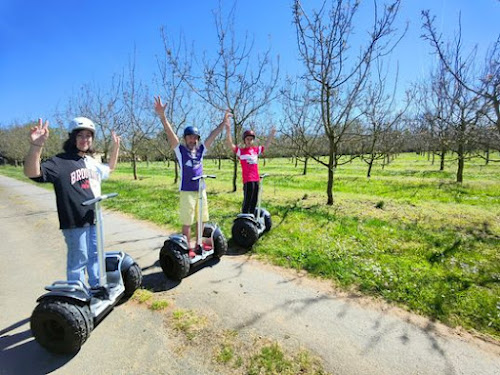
39	133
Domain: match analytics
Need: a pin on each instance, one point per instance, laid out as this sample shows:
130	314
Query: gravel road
351	334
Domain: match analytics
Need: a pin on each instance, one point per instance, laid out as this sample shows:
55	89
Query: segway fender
127	262
77	296
179	240
246	217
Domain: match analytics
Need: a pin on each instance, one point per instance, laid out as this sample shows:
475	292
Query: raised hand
39	133
159	106
228	114
115	138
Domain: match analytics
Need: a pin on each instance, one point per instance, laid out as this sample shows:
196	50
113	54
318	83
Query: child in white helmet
76	177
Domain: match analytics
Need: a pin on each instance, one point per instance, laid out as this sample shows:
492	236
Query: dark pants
250	194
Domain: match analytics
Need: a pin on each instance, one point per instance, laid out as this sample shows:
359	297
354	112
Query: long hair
69	145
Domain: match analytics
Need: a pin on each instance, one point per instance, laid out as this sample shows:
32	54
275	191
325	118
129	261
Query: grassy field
409	234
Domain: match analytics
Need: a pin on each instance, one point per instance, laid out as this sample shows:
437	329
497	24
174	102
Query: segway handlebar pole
99	234
259	197
199	233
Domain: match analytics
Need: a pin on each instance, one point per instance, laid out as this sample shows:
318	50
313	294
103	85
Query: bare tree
381	115
101	105
300	124
486	86
173	68
437	108
136	119
465	101
235	78
336	75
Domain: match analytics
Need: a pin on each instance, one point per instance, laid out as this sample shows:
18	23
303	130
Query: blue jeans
82	254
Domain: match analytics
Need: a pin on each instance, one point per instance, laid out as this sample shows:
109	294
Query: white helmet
80	123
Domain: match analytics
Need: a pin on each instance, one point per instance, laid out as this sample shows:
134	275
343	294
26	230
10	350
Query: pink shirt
249	160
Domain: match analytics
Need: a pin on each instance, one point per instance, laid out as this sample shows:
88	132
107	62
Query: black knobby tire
244	233
132	279
61	326
220	244
174	261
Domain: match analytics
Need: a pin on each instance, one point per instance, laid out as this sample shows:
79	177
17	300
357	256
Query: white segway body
210	243
66	315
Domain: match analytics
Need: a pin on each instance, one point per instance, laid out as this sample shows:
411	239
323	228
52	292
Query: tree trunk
461	162
331	173
134	166
304	171
441	163
370	165
487	156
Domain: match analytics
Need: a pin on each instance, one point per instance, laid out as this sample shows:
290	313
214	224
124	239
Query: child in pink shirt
249	160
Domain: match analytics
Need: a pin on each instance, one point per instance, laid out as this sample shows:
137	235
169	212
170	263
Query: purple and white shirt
191	165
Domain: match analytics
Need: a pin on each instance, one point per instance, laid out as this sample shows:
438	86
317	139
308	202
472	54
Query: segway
210	243
247	228
66	315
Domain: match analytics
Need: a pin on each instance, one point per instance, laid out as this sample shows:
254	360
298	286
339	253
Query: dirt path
352	335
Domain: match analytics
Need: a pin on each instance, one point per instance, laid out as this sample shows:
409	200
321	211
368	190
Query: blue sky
50	48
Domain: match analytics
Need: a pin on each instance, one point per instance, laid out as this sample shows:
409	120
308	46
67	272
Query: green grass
409	234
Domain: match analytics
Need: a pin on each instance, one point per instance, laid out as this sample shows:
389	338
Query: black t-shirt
76	179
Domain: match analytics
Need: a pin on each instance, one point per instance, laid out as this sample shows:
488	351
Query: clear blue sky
50	48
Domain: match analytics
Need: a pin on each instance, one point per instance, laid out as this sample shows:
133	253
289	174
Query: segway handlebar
262	176
98	199
203	176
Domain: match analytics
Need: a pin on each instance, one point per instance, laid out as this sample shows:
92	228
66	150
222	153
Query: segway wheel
220	245
244	233
132	279
60	326
174	261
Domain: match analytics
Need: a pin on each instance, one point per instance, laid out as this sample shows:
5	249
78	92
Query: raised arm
229	139
113	159
38	136
270	138
160	111
211	138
